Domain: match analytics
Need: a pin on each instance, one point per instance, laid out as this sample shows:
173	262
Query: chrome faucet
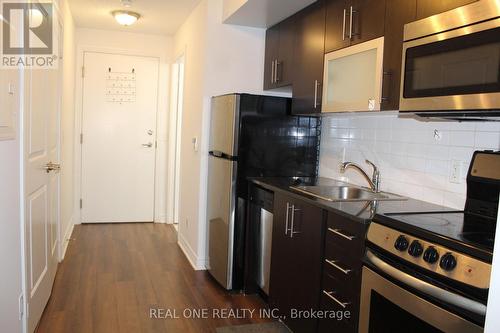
374	182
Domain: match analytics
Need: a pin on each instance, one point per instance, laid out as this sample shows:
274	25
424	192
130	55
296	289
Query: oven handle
425	287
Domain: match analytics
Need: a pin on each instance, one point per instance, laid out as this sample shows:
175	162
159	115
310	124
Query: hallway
114	273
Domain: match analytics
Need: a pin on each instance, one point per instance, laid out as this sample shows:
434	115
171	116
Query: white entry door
118	138
41	159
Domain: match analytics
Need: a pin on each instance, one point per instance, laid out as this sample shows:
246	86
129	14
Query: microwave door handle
425	287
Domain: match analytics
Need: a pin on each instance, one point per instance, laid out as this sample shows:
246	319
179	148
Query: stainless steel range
430	272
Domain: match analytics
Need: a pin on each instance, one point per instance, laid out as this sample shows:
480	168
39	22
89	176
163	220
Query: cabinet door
398	13
285	52
308	59
337	23
367	20
306	226
426	8
281	277
271	56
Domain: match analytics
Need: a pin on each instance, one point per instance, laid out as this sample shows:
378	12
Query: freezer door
221	214
224	124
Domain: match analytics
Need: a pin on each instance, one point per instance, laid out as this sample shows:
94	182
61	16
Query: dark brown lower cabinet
296	257
341	281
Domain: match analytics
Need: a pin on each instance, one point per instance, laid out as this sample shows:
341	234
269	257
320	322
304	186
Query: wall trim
197	263
66	239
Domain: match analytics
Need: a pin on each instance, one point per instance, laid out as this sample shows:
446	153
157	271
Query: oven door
390	307
453	70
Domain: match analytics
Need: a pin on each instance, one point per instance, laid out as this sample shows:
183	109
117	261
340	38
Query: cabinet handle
287	217
343	26
339	233
272	72
389	76
316	85
292	232
329	294
334	264
350	22
276	71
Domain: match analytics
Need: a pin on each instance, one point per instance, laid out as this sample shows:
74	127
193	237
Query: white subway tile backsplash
462	139
484	139
411	160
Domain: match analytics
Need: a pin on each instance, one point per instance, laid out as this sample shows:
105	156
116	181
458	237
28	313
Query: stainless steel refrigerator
250	136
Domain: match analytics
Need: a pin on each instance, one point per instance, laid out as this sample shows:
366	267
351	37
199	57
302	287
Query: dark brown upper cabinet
308	59
350	22
397	14
426	8
278	60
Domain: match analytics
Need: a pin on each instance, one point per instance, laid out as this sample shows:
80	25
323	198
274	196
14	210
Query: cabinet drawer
349	257
335	298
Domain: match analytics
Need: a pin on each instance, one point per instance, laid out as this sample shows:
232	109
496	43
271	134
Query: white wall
219	59
140	45
412	162
10	227
67	127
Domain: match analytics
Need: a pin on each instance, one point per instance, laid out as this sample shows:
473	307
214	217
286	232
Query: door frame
159	194
177	81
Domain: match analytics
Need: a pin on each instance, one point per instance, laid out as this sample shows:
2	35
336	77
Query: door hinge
83	71
156	144
81	203
81	138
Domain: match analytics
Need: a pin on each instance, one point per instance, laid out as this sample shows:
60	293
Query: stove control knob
448	262
401	243
415	249
431	255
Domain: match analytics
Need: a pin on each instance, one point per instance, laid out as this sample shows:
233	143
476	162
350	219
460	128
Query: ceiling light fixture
125	17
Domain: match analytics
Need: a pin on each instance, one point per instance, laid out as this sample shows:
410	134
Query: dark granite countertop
362	211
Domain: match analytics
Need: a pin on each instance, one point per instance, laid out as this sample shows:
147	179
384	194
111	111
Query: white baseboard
196	263
66	238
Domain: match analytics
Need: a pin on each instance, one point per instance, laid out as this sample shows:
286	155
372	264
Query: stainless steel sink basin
345	193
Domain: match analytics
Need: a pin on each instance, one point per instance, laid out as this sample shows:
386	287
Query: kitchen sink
346	193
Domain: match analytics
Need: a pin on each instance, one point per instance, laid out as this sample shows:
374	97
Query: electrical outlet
456	172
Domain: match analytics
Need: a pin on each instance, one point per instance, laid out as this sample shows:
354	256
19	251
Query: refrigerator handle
219	154
216	153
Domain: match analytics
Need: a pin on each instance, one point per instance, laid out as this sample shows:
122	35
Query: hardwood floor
113	274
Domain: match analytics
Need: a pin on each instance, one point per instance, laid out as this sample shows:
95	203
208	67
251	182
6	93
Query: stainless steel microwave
451	61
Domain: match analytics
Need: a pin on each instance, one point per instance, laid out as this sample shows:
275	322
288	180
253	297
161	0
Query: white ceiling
157	16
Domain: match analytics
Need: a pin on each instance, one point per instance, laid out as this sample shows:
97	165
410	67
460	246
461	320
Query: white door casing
41	193
120	94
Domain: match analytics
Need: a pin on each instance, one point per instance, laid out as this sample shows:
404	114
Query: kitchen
297	166
396	219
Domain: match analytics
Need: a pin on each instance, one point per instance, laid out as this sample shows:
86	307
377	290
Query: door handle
147	145
52	167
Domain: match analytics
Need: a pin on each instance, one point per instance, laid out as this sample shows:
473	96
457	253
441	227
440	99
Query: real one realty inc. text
230	313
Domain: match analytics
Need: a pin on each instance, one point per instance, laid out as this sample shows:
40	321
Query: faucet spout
374	181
